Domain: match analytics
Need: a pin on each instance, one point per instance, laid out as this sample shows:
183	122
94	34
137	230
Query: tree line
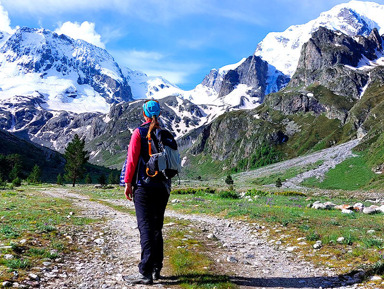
12	170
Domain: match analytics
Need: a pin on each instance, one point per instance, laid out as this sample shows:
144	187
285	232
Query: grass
287	174
189	261
352	174
288	213
31	229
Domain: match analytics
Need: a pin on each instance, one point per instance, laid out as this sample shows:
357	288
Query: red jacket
133	155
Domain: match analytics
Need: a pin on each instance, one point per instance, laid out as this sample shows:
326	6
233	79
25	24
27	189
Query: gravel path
240	249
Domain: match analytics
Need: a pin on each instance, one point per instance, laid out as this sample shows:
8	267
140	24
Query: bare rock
34	277
340	239
358	207
347	211
232	259
8	256
371	210
344	207
317	245
6	284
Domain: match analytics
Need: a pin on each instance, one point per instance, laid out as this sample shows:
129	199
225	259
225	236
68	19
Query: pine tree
76	158
110	179
229	180
60	180
279	184
102	179
88	179
35	175
16	164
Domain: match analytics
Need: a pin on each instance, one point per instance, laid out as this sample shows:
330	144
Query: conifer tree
229	180
59	179
35	175
279	183
88	179
102	179
76	158
111	179
16	164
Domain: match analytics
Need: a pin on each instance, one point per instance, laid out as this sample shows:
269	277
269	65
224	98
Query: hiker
150	196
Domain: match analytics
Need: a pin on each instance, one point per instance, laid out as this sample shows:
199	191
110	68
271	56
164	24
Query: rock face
331	59
258	77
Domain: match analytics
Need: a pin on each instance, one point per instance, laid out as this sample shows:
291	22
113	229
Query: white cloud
85	31
5	22
156	64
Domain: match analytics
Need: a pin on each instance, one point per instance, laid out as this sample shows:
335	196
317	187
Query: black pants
150	207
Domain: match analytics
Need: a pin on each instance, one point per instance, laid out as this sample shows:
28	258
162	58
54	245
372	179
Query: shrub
313	236
192	191
229	195
254	192
18	263
188	191
290	193
3	183
16	182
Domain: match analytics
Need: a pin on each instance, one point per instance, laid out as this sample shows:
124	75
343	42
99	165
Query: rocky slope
334	96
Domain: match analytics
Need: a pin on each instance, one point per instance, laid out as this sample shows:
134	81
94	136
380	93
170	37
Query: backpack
164	155
164	161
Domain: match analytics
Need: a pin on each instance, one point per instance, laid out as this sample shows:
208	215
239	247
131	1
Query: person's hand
128	191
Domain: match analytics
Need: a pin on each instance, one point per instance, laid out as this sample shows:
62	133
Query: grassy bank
352	174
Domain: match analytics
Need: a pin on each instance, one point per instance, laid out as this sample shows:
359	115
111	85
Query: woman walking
150	196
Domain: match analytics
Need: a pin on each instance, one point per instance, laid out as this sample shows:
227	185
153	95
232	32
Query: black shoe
138	279
156	275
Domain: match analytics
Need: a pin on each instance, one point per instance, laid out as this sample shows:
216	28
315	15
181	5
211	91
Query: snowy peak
72	75
282	50
144	86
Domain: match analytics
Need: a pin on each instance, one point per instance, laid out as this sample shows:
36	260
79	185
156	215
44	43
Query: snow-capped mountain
282	49
66	74
144	86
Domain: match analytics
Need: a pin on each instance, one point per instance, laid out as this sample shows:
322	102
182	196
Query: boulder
329	205
317	245
347	211
371	210
319	206
344	207
358	207
340	239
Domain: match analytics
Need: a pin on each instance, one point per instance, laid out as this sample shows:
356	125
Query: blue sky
180	40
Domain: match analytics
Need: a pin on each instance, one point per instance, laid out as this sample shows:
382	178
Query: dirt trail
239	248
